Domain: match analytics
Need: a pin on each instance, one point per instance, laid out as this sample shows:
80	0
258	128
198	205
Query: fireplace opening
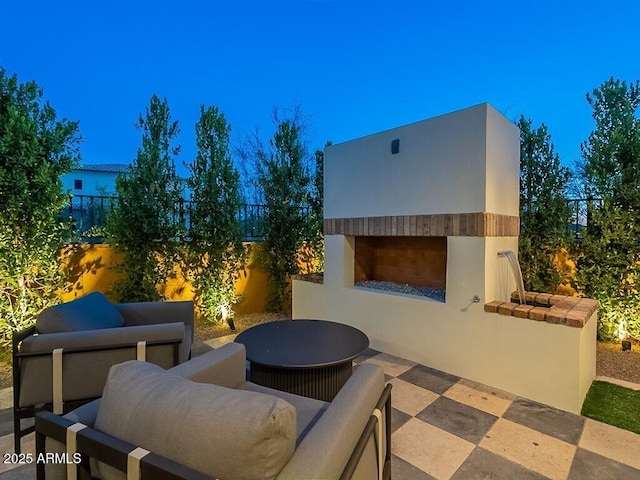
411	265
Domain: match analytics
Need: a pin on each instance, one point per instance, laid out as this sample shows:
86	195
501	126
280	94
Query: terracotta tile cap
543	298
573	301
565	304
515	298
582	305
591	303
583	310
538	314
492	307
556	315
522	311
569	322
531	296
555	299
507	308
575	319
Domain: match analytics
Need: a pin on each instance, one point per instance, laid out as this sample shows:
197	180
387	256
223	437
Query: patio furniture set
115	394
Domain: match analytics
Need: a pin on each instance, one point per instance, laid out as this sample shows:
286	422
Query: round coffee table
312	358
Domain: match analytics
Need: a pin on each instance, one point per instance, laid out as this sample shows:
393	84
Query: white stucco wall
502	176
548	363
441	168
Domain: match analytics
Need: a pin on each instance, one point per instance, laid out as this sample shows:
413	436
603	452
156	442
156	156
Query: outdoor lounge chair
202	420
63	360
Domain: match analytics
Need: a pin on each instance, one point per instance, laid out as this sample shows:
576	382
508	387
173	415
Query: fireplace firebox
414	261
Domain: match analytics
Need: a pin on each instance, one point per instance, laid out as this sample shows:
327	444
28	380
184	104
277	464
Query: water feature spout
517	273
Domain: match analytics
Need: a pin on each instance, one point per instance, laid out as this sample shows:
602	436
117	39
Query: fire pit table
312	358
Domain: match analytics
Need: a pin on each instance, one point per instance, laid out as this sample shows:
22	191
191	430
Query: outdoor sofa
202	420
63	360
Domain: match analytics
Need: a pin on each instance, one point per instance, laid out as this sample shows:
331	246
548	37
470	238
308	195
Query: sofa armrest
338	431
86	414
225	366
51	433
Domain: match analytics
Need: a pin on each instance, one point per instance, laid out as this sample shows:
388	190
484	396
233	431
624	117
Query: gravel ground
205	330
611	361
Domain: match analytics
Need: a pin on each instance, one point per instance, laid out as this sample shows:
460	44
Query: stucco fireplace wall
450	172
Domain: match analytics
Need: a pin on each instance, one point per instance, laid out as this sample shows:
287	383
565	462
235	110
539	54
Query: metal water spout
517	273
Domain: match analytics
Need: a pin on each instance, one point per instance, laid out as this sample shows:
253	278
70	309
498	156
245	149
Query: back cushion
221	432
90	312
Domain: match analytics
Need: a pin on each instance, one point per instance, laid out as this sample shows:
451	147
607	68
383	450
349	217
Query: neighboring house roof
105	168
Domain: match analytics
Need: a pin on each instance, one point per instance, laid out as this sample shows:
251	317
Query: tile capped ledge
543	307
309	277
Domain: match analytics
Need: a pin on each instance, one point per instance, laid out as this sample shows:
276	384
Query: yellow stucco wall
90	269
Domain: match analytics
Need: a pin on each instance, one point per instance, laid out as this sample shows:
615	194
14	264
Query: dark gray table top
302	343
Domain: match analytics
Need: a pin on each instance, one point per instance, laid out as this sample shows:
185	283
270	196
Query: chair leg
17	434
40	449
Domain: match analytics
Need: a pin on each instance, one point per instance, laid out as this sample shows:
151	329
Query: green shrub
544	212
609	270
142	226
610	252
283	181
214	253
35	149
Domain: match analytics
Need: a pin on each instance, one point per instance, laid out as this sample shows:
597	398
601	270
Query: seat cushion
90	312
221	432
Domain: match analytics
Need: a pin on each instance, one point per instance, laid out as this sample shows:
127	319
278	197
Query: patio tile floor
445	427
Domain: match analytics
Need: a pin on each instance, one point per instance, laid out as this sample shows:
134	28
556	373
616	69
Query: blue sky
356	67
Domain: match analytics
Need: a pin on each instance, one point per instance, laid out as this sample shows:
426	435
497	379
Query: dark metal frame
113	451
104	448
383	403
21	413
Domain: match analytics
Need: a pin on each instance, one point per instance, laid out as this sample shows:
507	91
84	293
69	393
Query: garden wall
90	268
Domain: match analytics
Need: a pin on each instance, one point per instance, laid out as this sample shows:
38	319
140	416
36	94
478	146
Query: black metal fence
88	214
580	213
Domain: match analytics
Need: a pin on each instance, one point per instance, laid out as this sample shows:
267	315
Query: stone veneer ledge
543	307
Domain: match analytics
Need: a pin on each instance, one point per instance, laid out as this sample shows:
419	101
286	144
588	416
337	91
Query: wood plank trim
437	225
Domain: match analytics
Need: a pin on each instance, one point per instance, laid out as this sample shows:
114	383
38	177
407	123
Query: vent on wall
395	146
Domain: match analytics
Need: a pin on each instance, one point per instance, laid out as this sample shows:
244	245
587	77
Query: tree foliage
544	213
215	253
611	155
315	236
283	181
143	227
35	149
609	266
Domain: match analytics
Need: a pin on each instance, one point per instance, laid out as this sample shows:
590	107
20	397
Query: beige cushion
90	312
224	433
308	410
